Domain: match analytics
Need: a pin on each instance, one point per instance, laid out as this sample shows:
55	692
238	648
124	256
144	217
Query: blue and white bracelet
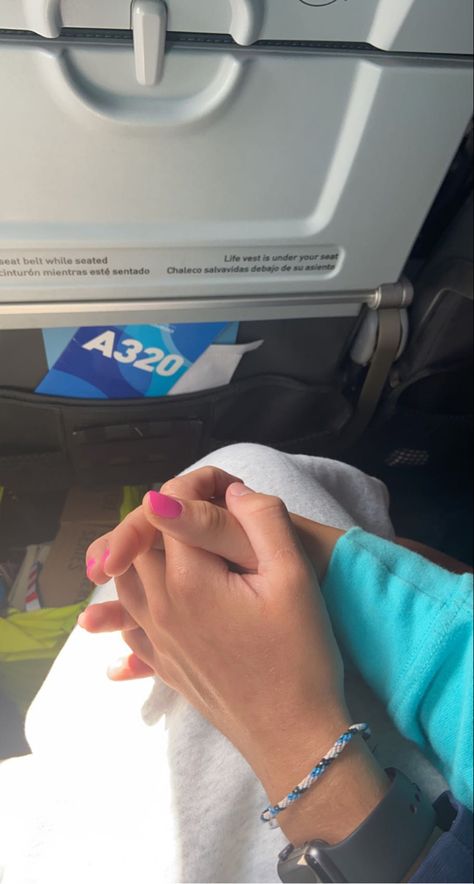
270	813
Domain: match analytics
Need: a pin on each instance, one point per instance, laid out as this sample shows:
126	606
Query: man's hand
194	512
190	508
256	655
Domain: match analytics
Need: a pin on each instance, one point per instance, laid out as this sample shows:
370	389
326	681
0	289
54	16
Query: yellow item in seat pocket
36	635
29	643
132	497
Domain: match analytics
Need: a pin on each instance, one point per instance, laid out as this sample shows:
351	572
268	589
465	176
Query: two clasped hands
218	590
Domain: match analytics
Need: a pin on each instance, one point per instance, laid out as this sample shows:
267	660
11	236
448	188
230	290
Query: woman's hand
255	654
190	508
224	639
228	641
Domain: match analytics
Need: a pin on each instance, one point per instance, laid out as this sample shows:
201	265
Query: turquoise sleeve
407	625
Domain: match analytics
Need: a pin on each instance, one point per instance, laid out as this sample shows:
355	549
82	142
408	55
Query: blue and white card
117	362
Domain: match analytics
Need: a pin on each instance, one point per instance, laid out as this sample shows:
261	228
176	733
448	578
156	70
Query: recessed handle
149	21
247	19
42	17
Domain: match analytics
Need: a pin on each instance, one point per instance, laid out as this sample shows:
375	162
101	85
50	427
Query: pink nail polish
89	565
164	506
105	555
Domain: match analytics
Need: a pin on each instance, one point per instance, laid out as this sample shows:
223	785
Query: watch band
382	848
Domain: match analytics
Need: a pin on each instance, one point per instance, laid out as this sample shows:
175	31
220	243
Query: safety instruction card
124	362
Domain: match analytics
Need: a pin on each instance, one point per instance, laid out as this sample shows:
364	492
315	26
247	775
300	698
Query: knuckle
96	546
292	564
268	504
171	487
211	474
277	504
195	484
210	518
204	472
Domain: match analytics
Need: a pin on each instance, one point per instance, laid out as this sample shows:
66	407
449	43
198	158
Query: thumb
200	524
266	522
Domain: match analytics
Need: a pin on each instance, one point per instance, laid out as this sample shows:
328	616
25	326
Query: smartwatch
382	848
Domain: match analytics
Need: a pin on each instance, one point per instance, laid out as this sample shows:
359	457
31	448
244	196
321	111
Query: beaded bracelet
271	812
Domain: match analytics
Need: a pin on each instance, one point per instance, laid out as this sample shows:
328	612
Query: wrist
341	800
318	541
393	839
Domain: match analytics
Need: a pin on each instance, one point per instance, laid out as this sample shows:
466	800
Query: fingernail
238	489
116	667
89	565
105	555
164	506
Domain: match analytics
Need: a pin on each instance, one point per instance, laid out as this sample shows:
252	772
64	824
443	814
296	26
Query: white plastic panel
266	160
401	25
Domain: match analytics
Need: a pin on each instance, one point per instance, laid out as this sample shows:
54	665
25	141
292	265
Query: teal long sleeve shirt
407	625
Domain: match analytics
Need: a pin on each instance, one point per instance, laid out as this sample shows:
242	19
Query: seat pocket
54	442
